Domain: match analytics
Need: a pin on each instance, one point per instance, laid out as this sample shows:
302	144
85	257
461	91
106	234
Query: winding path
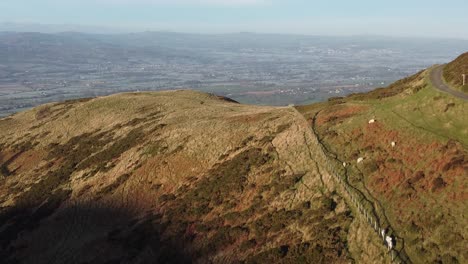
438	83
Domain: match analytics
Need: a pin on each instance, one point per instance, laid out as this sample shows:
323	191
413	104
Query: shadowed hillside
167	177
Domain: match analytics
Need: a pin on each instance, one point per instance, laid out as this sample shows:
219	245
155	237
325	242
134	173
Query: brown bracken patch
338	113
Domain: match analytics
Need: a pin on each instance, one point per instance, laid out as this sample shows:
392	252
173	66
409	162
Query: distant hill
454	70
55	28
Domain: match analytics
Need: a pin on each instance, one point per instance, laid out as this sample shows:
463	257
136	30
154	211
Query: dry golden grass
166	176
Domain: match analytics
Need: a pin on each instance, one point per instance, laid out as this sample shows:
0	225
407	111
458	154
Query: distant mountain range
55	28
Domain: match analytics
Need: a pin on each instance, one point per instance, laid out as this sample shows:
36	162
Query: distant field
250	68
6	89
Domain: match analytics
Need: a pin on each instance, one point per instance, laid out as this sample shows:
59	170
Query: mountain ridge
152	170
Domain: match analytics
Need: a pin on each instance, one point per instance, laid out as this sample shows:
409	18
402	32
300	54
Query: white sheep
360	159
372	121
344	164
393	144
389	242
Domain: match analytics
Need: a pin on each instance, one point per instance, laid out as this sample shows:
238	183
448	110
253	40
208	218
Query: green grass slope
420	184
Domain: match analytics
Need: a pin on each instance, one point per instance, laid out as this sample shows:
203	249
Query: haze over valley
265	69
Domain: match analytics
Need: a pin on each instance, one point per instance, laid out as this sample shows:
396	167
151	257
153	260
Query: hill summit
165	177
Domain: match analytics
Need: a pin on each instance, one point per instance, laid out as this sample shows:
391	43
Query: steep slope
453	72
417	185
167	177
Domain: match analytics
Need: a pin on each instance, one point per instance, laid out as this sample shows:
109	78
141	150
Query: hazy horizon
430	19
90	29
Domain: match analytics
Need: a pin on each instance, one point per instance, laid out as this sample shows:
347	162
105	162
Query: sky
427	18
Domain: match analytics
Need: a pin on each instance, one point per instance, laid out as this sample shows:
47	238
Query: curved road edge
436	78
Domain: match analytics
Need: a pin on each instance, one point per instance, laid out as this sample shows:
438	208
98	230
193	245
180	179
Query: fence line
357	198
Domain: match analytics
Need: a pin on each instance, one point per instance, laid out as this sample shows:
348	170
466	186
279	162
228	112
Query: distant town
260	69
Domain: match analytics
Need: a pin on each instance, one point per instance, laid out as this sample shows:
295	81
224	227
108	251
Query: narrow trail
367	205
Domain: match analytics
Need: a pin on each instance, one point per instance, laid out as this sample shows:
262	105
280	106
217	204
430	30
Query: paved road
438	83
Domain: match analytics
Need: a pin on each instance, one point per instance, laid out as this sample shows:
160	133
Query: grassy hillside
454	70
419	185
168	177
184	176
